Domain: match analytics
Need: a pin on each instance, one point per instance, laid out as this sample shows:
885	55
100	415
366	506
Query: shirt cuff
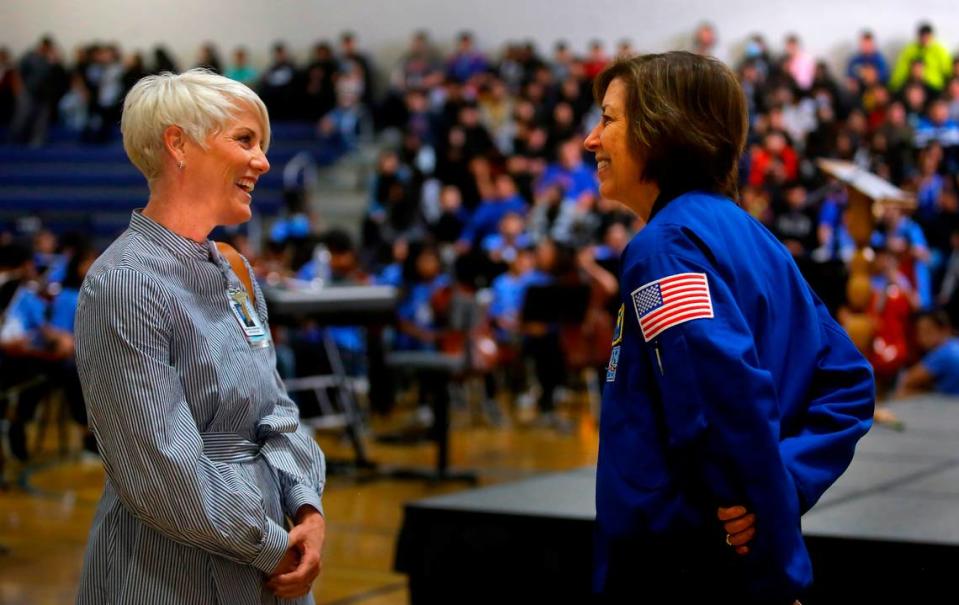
300	495
273	548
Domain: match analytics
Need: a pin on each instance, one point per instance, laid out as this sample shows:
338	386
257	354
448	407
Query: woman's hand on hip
740	526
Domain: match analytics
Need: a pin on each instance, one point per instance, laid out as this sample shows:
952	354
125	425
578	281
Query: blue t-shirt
830	215
349	338
463	66
391	275
910	231
508	291
943	363
946	134
508	251
574	181
58	270
63	309
874	59
485	220
416	307
27	313
927	196
296	226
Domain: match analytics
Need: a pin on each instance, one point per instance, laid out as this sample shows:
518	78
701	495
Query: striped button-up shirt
202	446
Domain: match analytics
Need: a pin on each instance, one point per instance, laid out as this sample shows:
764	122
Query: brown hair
687	119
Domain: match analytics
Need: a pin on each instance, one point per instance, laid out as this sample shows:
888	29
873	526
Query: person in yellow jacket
935	58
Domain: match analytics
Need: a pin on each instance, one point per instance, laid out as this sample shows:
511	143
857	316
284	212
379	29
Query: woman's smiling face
228	169
618	165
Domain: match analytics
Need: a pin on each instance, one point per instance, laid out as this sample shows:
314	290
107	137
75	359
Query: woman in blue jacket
730	390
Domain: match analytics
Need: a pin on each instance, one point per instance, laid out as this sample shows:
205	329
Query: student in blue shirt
38	346
392	273
59	334
904	236
938	127
868	55
502	246
23	320
417	327
732	398
335	262
508	291
486	218
23	347
570	172
938	371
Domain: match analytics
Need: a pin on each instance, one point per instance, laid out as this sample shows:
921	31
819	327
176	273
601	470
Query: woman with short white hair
202	446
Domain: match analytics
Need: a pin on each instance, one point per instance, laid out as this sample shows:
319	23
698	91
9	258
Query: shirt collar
667	197
662	200
177	244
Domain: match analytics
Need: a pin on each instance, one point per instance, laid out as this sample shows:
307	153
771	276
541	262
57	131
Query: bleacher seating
69	185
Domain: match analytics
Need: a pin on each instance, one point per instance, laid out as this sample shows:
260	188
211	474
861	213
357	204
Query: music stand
373	307
368	306
556	303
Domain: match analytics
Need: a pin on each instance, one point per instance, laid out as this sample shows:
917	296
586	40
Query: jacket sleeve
720	414
286	445
839	412
901	70
299	464
148	438
944	60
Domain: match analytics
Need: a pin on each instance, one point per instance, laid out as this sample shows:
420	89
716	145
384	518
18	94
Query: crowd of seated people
39	288
482	185
488	166
85	94
897	119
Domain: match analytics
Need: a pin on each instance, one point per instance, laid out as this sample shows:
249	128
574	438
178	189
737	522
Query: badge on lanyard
246	316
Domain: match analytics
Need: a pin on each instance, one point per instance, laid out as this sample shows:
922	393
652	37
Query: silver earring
180	164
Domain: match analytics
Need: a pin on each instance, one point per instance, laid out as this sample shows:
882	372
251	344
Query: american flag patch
670	301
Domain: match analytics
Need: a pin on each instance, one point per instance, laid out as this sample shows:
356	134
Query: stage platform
887	531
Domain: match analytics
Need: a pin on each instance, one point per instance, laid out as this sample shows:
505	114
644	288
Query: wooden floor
47	507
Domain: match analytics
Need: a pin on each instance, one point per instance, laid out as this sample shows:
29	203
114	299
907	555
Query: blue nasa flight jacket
749	395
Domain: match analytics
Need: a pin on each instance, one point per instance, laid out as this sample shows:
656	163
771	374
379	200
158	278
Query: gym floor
47	506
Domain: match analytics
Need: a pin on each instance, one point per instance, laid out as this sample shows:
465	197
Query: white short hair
198	101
